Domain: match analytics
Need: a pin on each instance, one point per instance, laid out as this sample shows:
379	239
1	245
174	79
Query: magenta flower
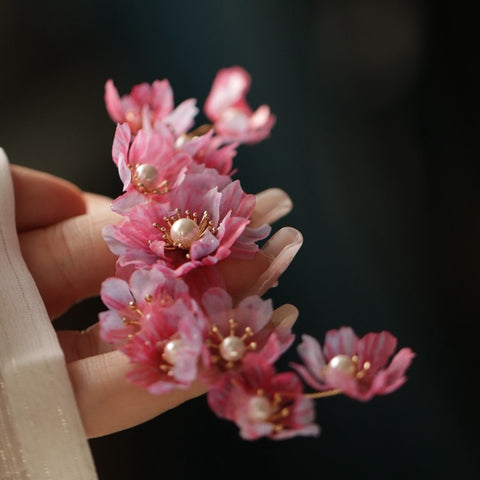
150	105
227	108
149	166
153	320
356	367
235	331
263	403
205	220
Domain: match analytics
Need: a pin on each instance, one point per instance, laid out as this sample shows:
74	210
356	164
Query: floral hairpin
168	308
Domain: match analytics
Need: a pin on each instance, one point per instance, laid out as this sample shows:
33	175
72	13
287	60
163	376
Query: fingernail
285	316
271	205
281	249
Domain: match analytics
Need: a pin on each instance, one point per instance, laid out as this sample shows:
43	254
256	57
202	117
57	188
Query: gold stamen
327	393
135	308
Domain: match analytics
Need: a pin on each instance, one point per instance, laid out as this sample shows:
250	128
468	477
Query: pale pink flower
204	221
227	108
359	368
263	403
149	166
131	302
201	279
150	106
166	352
234	331
209	150
153	320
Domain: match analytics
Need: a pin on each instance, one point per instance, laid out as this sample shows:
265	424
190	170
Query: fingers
69	260
271	205
109	403
285	316
42	199
95	202
78	344
256	276
280	249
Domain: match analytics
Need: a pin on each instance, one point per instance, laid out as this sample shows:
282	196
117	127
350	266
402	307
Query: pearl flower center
232	348
259	409
171	350
343	363
183	230
146	179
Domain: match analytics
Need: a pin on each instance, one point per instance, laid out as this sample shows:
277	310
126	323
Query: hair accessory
169	309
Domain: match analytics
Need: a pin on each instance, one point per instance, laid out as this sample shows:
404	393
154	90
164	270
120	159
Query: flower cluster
169	309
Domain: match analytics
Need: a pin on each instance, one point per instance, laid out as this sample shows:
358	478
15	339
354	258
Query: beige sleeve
41	434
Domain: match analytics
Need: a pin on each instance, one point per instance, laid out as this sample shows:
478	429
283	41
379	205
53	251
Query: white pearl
343	363
147	175
184	231
232	349
259	409
170	352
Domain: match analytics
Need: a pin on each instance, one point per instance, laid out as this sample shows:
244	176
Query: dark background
375	142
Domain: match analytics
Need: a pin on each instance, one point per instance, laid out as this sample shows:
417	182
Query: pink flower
150	105
228	109
357	367
233	332
204	221
153	321
201	279
131	302
263	403
166	351
208	149
149	166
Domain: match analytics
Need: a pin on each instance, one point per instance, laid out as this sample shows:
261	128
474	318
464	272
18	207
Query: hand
59	230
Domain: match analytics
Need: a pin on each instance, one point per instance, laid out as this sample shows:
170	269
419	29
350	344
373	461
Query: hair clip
168	308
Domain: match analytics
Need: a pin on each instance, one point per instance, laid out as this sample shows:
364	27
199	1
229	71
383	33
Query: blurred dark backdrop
377	109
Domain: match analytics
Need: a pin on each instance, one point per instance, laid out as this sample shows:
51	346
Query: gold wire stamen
128	321
133	305
325	394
